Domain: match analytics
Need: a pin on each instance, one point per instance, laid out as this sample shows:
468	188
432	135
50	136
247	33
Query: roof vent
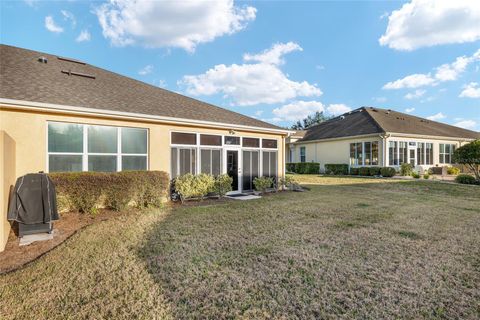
70	60
73	73
342	117
42	59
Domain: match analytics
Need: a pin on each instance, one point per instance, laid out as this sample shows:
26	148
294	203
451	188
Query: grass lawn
349	248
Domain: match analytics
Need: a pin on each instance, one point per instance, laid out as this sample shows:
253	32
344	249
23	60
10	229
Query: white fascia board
419	136
40	106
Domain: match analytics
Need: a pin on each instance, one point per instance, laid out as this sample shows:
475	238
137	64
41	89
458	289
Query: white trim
29	105
418	136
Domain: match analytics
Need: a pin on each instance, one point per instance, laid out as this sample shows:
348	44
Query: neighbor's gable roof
23	77
369	120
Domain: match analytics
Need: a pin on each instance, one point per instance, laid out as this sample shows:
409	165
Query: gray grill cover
33	200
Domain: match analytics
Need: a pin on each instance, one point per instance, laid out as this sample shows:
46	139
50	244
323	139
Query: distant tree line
311	120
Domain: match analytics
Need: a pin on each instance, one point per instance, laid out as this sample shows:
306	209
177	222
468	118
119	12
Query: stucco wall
28	131
7	180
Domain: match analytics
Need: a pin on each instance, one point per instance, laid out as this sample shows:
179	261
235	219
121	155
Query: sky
277	61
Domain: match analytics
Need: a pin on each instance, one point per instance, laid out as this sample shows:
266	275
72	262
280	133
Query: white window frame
444	153
85	154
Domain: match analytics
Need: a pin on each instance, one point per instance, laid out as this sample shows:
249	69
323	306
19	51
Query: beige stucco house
377	137
61	114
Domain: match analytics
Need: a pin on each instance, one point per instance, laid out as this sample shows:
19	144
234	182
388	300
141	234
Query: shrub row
191	186
88	191
303	167
466	179
373	171
336	169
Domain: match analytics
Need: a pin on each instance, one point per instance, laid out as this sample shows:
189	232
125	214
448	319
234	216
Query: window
446	152
374	153
211	161
356	154
251	142
78	147
291	152
184	138
421	153
393	153
403	152
210	140
232	141
269	164
269	143
429	153
303	157
183	161
368	153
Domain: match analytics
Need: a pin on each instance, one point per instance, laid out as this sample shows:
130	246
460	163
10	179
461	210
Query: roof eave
41	106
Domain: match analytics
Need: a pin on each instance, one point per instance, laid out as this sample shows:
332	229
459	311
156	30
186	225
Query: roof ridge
379	126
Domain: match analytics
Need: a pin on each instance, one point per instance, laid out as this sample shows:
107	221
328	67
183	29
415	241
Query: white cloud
338	108
466	124
445	72
251	84
180	24
51	25
146	70
319	67
437	117
471	90
411	81
84	36
380	99
67	15
274	55
415	95
409	110
425	23
258	113
297	110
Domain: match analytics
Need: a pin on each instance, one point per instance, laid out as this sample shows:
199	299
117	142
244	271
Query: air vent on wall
79	74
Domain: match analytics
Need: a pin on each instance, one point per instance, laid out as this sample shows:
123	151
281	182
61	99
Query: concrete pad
31	238
246	197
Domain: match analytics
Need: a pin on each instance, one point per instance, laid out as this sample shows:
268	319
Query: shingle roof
23	77
369	120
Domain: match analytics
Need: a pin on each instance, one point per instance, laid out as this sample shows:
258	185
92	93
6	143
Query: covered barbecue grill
33	204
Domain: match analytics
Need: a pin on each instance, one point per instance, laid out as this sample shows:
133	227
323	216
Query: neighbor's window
211	161
393	153
403	152
368	153
210	140
446	152
269	164
184	138
356	154
420	153
429	153
303	157
374	161
106	148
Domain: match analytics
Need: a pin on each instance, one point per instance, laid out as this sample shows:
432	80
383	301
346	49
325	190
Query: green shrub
190	186
387	172
88	191
466	179
364	171
426	175
222	185
288	182
304	167
453	170
416	175
336	169
354	171
262	183
406	169
374	171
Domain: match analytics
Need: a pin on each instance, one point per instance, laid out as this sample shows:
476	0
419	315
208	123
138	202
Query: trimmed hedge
303	167
354	171
364	171
200	186
387	172
336	169
466	179
88	191
375	171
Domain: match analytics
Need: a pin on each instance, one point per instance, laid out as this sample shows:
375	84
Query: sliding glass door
250	166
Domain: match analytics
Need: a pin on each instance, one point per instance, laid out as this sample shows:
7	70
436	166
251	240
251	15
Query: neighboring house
292	155
61	114
377	137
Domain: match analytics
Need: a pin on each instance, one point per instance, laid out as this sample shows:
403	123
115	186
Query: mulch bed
15	256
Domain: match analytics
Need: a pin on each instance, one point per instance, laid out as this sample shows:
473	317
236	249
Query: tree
469	155
311	120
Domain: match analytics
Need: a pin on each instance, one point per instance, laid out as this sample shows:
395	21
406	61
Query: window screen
134	163
134	140
102	139
184	138
269	143
210	161
210	140
251	142
102	163
65	137
232	140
